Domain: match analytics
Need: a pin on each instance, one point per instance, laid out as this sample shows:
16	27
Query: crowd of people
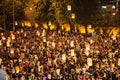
38	54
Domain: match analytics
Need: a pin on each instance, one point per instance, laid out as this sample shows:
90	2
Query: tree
19	6
56	11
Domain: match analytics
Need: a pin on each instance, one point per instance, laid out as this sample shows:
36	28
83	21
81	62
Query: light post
13	16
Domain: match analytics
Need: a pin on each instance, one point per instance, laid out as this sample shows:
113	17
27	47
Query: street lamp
13	16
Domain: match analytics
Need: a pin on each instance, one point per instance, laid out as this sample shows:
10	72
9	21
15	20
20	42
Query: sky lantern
72	52
86	52
12	36
64	57
3	38
0	42
11	50
58	71
87	46
72	43
89	61
69	7
118	61
43	32
38	33
8	44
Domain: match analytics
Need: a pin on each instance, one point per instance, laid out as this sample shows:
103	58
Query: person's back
2	74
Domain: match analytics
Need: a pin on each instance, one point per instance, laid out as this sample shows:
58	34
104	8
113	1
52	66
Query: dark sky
104	2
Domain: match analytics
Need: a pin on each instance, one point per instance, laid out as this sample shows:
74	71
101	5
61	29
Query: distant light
104	7
69	7
113	14
73	15
30	8
113	7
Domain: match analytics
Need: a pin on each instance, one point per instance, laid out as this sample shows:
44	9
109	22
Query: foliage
19	6
56	10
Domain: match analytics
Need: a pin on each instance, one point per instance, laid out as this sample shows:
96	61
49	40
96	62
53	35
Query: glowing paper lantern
64	57
91	41
17	69
3	38
38	33
113	37
16	23
25	34
21	30
89	61
112	67
13	36
18	32
69	7
118	61
73	16
0	42
49	23
72	52
44	39
8	39
53	44
87	46
8	44
72	43
0	61
86	52
11	50
58	71
43	33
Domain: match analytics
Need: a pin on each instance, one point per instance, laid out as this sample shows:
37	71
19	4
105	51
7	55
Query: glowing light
69	7
11	50
49	23
72	43
13	36
8	44
38	33
72	52
89	61
86	52
0	42
73	16
64	57
118	61
3	38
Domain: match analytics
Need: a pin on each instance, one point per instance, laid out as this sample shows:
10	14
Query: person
3	75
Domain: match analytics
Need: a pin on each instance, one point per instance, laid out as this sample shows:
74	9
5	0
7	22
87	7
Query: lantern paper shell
118	61
13	36
69	7
44	39
0	42
89	61
72	43
87	46
72	52
8	44
86	52
3	38
58	71
64	57
11	50
38	33
53	44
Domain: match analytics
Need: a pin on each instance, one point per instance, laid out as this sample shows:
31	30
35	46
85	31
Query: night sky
105	2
